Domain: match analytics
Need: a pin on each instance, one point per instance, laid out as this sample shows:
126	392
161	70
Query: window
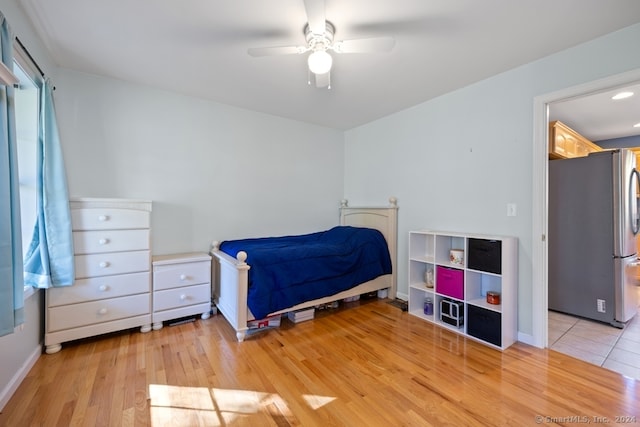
27	98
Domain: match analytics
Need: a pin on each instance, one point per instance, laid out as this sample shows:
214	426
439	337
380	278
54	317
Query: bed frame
230	275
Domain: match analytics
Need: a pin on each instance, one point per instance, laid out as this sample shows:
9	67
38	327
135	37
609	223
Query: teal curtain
11	279
49	260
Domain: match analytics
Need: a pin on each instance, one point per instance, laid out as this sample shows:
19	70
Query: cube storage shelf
458	291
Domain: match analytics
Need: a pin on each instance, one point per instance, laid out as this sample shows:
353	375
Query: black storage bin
485	255
484	324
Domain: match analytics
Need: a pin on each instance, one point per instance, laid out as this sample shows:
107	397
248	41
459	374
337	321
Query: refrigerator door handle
634	191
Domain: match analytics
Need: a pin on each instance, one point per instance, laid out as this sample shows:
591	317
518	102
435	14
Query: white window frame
22	59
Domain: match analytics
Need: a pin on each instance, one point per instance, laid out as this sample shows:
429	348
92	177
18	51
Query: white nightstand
181	286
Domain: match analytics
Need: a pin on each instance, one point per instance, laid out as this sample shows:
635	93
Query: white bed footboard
230	276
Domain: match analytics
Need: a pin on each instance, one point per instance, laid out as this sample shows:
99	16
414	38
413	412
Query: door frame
539	254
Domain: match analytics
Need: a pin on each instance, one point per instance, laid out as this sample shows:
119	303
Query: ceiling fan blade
373	44
276	50
323	80
315	15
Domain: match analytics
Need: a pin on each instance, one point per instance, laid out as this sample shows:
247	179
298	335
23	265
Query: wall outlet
602	308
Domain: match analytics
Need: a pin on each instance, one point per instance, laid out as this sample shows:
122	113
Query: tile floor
598	343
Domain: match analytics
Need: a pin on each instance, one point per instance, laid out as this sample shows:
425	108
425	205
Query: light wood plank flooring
367	365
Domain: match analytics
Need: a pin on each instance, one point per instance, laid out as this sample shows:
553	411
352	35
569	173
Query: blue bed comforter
289	270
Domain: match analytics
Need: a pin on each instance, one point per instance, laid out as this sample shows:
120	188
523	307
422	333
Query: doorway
540	188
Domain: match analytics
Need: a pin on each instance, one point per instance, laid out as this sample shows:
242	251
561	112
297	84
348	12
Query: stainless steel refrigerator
593	223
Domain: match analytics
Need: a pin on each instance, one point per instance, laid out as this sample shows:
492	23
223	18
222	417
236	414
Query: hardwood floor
367	365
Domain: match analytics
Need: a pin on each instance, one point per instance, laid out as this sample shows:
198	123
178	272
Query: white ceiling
199	47
598	117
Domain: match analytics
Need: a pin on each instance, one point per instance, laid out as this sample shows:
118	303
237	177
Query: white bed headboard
384	219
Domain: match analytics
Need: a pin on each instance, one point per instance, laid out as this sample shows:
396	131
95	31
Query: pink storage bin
450	282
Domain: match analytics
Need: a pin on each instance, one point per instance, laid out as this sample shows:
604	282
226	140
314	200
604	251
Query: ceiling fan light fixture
320	62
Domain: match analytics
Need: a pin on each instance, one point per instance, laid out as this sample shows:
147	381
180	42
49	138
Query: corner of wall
20	375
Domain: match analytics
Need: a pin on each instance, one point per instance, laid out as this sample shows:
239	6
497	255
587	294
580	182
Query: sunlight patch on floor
316	402
177	406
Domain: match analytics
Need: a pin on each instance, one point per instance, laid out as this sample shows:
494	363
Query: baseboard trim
401	296
20	375
527	339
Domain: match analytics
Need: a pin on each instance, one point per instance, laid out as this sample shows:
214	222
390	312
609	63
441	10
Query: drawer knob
102	311
103	241
183	297
183	277
104	264
103	288
103	218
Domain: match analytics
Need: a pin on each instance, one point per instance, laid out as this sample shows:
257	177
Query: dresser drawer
181	297
108	218
95	265
183	274
92	242
96	288
89	313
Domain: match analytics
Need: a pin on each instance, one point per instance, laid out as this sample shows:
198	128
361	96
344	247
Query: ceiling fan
319	36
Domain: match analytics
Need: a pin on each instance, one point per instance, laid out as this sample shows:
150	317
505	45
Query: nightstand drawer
109	218
96	265
178	275
93	242
181	297
96	288
88	313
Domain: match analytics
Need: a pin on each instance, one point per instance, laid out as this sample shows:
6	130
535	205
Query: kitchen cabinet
566	143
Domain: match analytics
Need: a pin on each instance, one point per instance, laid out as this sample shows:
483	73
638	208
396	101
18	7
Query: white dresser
112	290
181	286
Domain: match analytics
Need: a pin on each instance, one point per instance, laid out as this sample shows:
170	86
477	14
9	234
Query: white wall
20	351
212	171
456	161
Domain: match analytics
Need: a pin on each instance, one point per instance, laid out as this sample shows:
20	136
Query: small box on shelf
484	324
452	312
485	255
450	281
